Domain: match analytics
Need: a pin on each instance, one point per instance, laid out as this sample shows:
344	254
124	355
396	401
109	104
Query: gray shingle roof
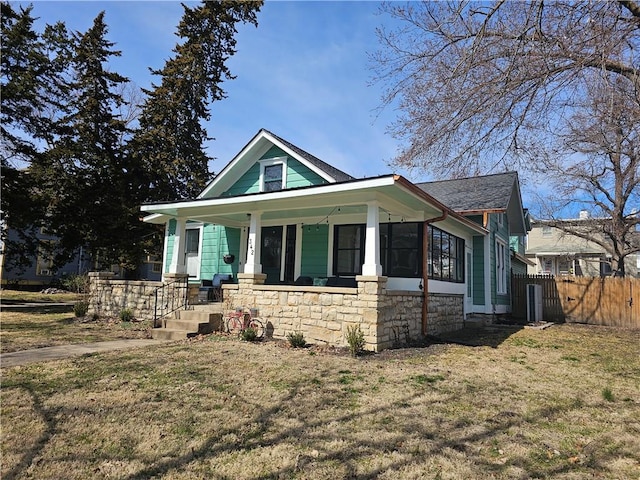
488	192
339	175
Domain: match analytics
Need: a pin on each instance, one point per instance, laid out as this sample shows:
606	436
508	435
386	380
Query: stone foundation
323	314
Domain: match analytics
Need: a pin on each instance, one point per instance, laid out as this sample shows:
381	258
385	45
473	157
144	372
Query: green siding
171	231
248	183
218	241
273	152
478	270
315	251
518	268
476	219
299	175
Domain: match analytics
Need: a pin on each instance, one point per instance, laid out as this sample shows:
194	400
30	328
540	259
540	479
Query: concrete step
216	307
169	334
209	321
186	323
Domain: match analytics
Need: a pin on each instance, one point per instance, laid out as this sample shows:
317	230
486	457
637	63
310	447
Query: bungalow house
316	250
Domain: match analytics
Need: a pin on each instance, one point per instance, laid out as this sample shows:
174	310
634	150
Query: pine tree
169	142
87	175
32	89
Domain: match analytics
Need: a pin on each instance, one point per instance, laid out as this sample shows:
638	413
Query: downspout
425	269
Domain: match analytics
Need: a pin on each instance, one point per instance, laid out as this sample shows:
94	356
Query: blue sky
303	73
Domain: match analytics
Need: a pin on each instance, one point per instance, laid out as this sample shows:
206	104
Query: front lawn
23	296
557	403
39	328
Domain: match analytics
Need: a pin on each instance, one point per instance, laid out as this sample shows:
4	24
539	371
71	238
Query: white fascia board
156	218
348	187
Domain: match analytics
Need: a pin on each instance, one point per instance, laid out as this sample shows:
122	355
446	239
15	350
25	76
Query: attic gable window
273	174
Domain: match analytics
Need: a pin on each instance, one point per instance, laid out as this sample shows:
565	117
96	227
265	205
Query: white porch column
177	257
253	264
372	266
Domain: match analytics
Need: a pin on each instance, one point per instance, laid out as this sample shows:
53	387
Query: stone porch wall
323	314
108	297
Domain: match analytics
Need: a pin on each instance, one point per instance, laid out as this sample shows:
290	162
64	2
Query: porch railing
168	298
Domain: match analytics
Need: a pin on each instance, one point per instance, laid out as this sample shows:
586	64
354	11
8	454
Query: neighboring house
495	203
317	249
41	272
555	252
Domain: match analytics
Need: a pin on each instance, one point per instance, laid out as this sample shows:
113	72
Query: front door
192	252
278	263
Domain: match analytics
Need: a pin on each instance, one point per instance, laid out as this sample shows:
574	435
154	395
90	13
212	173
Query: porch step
189	323
168	334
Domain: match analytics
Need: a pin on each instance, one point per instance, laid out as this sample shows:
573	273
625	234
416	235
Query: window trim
270	162
501	267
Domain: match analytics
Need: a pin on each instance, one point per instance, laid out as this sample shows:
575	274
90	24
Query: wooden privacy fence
593	300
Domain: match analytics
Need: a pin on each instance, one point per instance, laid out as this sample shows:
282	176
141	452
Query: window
501	268
348	249
273	174
44	265
546	231
564	266
401	249
605	267
446	256
192	241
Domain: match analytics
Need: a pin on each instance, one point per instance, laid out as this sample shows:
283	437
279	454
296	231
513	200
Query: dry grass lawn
557	403
46	327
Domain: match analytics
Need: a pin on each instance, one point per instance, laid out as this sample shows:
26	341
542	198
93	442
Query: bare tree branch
548	87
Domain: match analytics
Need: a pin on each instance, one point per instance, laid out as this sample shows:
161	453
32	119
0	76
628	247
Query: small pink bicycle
239	321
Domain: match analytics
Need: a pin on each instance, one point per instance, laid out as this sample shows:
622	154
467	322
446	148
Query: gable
297	174
244	173
488	193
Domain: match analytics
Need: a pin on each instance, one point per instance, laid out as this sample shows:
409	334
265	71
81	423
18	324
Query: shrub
607	394
296	340
355	339
126	315
249	335
76	283
80	309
